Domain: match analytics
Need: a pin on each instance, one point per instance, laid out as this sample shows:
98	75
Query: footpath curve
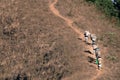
70	24
68	21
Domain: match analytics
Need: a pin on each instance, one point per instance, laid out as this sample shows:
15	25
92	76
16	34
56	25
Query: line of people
96	50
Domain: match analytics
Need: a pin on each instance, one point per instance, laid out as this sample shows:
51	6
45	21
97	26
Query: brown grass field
39	43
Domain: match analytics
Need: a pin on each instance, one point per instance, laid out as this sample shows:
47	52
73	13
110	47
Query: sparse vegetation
28	31
109	38
26	38
108	7
87	17
112	58
70	13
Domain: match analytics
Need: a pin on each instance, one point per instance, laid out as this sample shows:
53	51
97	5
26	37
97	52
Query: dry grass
32	42
37	45
87	17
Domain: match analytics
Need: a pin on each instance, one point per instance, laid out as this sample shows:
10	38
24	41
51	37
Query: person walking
87	35
93	38
98	56
98	53
100	63
95	48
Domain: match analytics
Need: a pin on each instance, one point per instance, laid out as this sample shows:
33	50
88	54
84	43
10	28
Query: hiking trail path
74	28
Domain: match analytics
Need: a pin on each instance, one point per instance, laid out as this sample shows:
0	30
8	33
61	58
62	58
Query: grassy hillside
87	17
111	9
35	44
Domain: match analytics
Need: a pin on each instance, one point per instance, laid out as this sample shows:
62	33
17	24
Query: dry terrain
43	40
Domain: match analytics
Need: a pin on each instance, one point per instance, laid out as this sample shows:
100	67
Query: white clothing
100	60
95	47
86	39
87	33
100	65
93	37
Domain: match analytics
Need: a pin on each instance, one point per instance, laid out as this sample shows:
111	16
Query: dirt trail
68	21
75	28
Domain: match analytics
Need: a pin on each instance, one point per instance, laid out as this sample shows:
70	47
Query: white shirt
87	33
93	37
95	46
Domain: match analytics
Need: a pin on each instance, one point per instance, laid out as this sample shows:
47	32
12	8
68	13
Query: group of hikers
96	51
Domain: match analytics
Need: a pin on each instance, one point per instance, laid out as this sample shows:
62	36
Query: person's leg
99	66
93	42
99	54
86	39
100	63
